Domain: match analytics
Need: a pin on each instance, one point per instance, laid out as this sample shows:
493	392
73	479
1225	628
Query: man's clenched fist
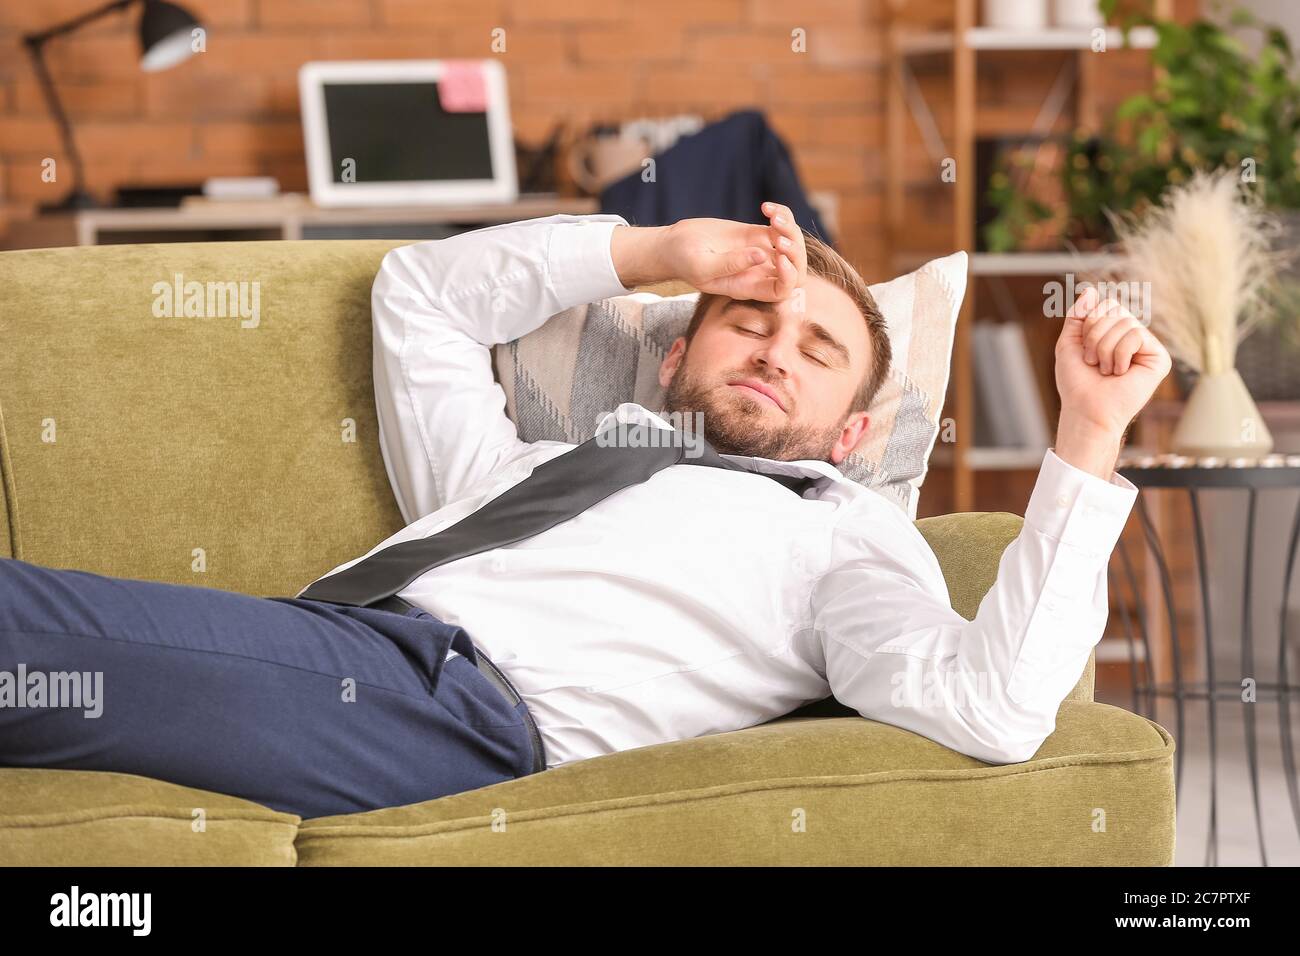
1107	364
1107	368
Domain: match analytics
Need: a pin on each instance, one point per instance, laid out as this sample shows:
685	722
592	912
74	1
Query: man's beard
735	424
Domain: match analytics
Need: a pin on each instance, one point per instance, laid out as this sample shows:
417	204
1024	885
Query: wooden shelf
990	39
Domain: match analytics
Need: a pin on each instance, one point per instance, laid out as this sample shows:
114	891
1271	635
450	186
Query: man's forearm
637	254
1088	447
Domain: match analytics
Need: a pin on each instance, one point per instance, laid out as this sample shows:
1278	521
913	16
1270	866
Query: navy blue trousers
302	706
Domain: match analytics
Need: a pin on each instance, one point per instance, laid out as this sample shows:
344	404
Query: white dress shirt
705	600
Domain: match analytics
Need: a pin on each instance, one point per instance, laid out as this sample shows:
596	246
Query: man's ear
668	368
855	426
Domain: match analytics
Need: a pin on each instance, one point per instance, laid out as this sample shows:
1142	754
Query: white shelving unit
1039	263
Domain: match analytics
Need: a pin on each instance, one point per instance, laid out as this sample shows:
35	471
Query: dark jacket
724	171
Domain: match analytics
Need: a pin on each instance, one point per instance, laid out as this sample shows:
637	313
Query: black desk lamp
165	37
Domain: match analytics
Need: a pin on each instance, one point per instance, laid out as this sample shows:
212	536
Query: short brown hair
825	262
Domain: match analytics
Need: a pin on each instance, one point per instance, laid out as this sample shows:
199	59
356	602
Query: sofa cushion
96	818
562	377
796	791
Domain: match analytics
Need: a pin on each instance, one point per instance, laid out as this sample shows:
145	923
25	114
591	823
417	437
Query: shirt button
1062	501
498	563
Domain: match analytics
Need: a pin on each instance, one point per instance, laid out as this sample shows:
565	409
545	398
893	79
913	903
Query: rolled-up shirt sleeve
897	652
438	307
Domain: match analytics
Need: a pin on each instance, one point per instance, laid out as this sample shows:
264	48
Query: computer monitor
407	132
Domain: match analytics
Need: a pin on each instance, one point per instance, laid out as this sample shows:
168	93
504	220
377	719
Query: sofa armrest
969	547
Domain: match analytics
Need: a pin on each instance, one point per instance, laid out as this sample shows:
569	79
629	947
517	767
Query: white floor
1238	841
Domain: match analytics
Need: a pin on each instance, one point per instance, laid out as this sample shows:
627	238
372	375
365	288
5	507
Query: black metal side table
1195	475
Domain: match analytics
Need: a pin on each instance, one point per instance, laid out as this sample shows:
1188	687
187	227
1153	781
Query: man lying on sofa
549	603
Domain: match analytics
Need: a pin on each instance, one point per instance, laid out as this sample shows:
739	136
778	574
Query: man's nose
776	356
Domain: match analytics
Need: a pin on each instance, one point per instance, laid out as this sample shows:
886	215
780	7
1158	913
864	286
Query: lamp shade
166	34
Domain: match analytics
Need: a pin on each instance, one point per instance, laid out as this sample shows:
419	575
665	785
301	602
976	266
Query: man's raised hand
1107	367
735	259
1107	363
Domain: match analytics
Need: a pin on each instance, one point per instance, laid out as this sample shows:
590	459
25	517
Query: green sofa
214	451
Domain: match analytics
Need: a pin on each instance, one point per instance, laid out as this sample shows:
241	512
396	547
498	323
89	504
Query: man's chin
745	428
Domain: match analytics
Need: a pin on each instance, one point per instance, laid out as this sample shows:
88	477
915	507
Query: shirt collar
630	413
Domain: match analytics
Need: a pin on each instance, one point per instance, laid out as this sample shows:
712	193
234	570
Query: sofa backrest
231	449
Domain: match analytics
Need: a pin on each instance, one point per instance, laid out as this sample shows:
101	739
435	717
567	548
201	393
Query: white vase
1079	14
1021	15
1221	419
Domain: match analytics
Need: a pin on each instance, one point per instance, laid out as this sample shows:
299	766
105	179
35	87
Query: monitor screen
399	132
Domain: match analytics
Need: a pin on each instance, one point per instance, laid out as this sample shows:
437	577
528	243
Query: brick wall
233	110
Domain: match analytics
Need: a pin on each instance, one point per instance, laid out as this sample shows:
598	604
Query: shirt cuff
579	261
1077	507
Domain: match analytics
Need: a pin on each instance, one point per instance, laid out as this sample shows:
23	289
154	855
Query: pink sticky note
462	88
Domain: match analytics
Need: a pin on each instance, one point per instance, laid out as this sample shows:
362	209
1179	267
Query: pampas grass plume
1207	252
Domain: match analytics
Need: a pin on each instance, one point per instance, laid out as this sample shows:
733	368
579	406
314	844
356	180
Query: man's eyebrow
818	331
827	339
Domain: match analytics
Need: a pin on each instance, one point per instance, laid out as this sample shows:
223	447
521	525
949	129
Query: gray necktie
557	490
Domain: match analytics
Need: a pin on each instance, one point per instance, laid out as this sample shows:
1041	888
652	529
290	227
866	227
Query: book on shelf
1032	427
1010	411
992	413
